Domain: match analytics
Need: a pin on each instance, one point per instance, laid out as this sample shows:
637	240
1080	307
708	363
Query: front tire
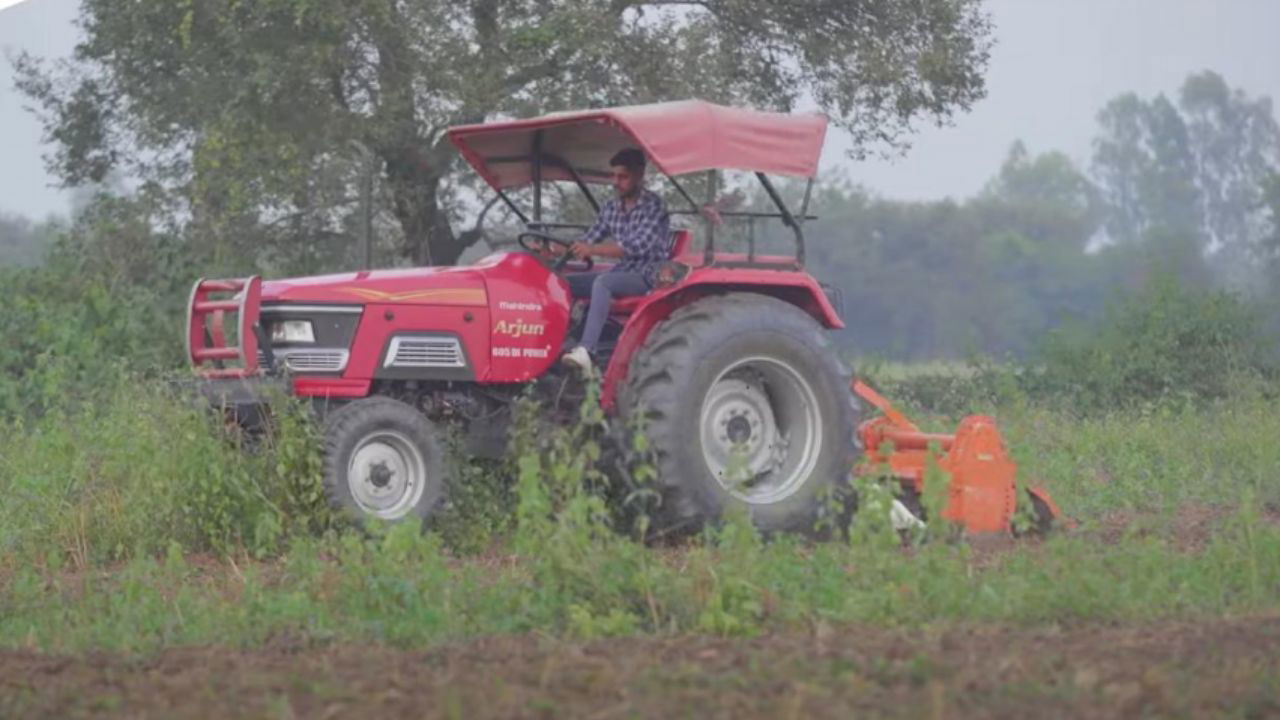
746	405
383	460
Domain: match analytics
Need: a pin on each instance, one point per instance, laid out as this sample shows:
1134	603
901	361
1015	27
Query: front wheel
746	404
383	460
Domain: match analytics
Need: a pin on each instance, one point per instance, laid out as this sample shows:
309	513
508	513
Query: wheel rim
760	430
387	475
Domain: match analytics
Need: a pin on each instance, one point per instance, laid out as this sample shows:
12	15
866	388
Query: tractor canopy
678	137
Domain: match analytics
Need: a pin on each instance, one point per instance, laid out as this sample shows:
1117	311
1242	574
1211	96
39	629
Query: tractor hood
415	286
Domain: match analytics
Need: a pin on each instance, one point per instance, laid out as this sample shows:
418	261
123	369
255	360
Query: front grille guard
208	340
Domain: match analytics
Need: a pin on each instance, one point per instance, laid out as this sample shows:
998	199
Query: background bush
1167	343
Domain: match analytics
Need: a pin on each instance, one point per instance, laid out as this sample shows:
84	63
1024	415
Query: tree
1051	195
1271	241
255	113
1036	221
1047	179
1145	168
1236	144
1192	174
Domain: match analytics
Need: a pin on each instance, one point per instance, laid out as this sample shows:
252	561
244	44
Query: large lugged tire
745	403
383	459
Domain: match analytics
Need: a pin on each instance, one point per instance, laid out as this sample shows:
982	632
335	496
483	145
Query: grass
134	526
150	565
1152	461
403	590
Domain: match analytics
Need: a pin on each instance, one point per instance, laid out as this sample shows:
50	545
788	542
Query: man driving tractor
638	228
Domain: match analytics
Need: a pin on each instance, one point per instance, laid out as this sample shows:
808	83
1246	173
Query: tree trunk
415	167
429	238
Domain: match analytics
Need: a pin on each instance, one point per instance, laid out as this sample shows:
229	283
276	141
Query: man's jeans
602	288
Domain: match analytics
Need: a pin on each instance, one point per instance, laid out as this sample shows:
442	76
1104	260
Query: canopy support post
582	185
787	218
709	252
537	176
808	194
683	193
514	208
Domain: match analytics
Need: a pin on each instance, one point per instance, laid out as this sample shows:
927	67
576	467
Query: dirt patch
1184	669
1189	528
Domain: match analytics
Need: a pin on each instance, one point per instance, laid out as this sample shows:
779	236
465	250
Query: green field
140	550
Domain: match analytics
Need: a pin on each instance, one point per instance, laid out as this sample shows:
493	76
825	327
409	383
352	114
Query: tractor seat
680	241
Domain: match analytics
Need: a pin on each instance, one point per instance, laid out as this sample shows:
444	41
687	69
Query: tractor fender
797	288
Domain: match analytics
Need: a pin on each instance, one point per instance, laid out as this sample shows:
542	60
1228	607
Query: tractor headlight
292	331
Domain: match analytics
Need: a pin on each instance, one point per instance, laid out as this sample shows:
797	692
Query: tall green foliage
140	468
1166	343
110	296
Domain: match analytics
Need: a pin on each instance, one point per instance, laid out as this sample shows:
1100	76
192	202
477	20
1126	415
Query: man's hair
629	158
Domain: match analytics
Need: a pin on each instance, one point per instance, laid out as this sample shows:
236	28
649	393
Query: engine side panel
402	341
528	317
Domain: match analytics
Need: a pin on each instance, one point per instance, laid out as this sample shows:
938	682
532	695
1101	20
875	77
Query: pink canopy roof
678	137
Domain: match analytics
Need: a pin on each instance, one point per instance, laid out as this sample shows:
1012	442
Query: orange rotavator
982	492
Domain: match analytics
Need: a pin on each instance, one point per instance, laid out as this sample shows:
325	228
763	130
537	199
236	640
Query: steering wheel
545	241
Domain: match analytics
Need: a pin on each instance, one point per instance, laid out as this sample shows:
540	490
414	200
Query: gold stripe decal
445	296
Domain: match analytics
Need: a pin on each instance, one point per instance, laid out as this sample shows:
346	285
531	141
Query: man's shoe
581	359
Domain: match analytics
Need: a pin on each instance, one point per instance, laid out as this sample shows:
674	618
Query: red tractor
746	400
729	360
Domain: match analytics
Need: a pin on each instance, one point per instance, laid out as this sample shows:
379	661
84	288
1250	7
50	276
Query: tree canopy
263	116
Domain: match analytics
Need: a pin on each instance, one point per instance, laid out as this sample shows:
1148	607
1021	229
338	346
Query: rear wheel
745	404
383	460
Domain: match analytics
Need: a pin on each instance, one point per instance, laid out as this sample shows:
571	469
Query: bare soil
1228	667
1190	527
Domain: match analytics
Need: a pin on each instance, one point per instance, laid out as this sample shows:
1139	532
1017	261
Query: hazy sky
1056	62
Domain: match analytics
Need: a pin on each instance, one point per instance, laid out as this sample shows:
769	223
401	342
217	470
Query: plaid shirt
644	232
